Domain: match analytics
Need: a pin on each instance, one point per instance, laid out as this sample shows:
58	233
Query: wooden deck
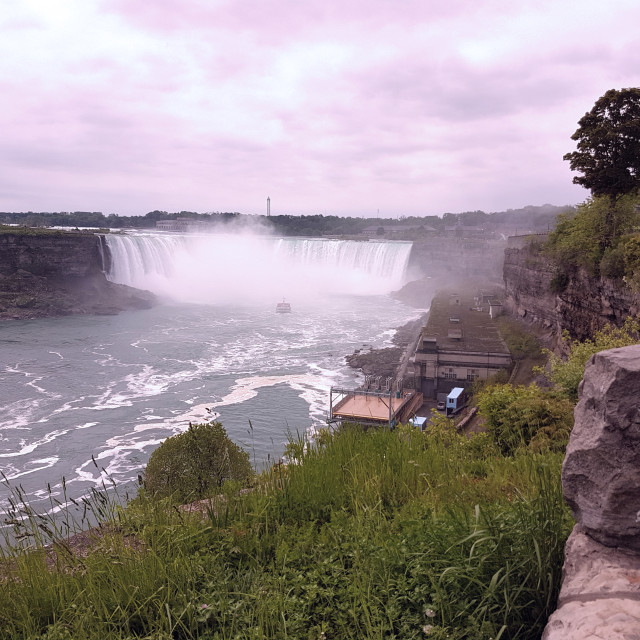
366	407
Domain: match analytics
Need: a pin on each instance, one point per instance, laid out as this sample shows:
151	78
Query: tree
608	150
195	464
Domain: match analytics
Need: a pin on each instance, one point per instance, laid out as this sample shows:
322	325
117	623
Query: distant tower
268	207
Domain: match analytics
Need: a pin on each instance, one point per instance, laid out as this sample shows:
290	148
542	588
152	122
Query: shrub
613	263
566	374
559	282
195	464
519	340
520	417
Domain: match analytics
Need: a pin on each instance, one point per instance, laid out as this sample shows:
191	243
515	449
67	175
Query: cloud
329	105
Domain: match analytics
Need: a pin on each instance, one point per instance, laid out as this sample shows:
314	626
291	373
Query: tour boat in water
283	307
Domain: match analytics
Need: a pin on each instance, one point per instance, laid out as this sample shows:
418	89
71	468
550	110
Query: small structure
418	422
456	400
375	408
495	309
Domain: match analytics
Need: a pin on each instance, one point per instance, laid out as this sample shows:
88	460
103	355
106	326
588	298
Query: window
449	374
472	374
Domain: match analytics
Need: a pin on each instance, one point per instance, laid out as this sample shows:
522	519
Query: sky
337	107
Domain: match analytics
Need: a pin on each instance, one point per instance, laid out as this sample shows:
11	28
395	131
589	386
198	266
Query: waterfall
221	268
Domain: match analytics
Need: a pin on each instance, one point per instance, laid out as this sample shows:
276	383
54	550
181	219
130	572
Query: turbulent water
110	389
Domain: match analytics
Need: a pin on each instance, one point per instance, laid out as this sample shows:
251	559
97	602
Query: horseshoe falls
246	269
110	389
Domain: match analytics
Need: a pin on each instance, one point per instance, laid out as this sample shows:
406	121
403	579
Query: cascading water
248	268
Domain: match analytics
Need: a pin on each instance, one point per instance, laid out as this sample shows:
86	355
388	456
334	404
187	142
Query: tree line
527	219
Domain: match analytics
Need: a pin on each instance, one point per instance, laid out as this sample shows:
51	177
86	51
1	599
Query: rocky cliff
581	305
52	273
600	593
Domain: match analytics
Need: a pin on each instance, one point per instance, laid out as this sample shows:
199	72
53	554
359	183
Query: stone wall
583	305
600	593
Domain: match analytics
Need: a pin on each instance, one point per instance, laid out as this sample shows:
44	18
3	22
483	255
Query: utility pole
268	207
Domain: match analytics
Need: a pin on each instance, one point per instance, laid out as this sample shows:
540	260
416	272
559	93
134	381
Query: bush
566	374
195	464
613	263
559	282
519	340
528	417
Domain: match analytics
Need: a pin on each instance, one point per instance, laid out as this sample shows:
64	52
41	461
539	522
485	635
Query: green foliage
608	155
28	231
613	264
526	417
195	464
631	253
608	149
371	534
519	340
567	373
577	240
559	282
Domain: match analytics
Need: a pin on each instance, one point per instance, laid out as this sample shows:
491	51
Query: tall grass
365	535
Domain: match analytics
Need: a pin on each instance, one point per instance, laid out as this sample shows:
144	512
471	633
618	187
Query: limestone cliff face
53	274
586	304
51	254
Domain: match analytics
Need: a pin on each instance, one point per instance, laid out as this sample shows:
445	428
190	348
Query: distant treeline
529	219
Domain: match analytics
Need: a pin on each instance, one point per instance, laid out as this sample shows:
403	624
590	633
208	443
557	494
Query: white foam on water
32	446
87	425
19	414
40	464
313	388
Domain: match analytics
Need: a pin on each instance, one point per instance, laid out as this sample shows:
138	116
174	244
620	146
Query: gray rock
601	471
600	595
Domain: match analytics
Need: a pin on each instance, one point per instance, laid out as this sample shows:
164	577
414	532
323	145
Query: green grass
45	231
371	534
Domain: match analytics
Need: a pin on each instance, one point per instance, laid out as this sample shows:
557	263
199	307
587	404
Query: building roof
455	393
458	324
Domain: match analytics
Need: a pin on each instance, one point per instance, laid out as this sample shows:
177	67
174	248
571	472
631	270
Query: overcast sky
333	106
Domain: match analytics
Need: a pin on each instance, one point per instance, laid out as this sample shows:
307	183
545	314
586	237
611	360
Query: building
459	344
183	225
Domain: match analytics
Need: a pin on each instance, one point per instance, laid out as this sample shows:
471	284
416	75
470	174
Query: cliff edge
53	273
582	305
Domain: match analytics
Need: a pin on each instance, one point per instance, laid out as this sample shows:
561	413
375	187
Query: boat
283	307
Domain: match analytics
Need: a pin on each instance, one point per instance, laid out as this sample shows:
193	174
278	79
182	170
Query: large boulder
600	596
601	471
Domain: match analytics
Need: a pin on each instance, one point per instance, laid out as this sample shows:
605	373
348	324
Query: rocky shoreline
392	361
25	295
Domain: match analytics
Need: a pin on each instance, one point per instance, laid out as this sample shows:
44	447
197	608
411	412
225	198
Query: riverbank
388	361
25	295
392	361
